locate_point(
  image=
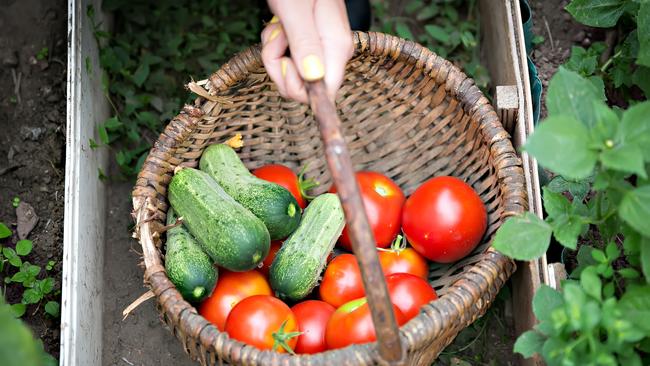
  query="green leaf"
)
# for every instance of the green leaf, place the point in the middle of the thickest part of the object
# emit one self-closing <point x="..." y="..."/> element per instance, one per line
<point x="545" y="301"/>
<point x="18" y="309"/>
<point x="635" y="209"/>
<point x="103" y="134"/>
<point x="403" y="31"/>
<point x="635" y="129"/>
<point x="577" y="188"/>
<point x="629" y="273"/>
<point x="597" y="13"/>
<point x="31" y="296"/>
<point x="53" y="308"/>
<point x="113" y="123"/>
<point x="529" y="343"/>
<point x="604" y="131"/>
<point x="33" y="270"/>
<point x="645" y="257"/>
<point x="612" y="251"/>
<point x="643" y="31"/>
<point x="555" y="204"/>
<point x="524" y="237"/>
<point x="4" y="231"/>
<point x="635" y="304"/>
<point x="19" y="277"/>
<point x="625" y="158"/>
<point x="573" y="95"/>
<point x="561" y="144"/>
<point x="567" y="229"/>
<point x="591" y="282"/>
<point x="437" y="33"/>
<point x="24" y="247"/>
<point x="46" y="285"/>
<point x="141" y="74"/>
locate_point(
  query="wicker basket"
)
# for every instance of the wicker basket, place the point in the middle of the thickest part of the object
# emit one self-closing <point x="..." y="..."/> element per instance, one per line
<point x="407" y="113"/>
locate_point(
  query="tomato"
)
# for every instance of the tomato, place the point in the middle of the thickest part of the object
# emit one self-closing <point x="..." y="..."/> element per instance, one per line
<point x="383" y="201"/>
<point x="444" y="219"/>
<point x="266" y="263"/>
<point x="264" y="322"/>
<point x="312" y="316"/>
<point x="409" y="293"/>
<point x="352" y="324"/>
<point x="400" y="259"/>
<point x="342" y="281"/>
<point x="231" y="288"/>
<point x="282" y="175"/>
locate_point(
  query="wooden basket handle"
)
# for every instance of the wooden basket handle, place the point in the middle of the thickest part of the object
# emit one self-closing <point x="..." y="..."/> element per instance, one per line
<point x="363" y="242"/>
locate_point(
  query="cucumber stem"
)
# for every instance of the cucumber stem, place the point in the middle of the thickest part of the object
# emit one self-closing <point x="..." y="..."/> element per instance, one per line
<point x="306" y="184"/>
<point x="198" y="292"/>
<point x="291" y="210"/>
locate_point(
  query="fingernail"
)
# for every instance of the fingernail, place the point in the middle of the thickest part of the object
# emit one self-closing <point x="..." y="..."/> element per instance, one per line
<point x="274" y="34"/>
<point x="274" y="20"/>
<point x="283" y="67"/>
<point x="313" y="68"/>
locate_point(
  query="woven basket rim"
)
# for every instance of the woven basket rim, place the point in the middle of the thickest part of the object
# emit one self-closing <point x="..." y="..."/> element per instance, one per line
<point x="451" y="312"/>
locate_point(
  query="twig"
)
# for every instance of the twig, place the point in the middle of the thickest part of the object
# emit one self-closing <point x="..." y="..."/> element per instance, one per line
<point x="146" y="296"/>
<point x="610" y="41"/>
<point x="127" y="361"/>
<point x="17" y="80"/>
<point x="550" y="35"/>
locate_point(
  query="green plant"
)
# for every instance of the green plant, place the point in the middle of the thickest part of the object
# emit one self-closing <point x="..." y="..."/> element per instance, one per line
<point x="15" y="201"/>
<point x="152" y="54"/>
<point x="624" y="63"/>
<point x="42" y="53"/>
<point x="602" y="315"/>
<point x="449" y="28"/>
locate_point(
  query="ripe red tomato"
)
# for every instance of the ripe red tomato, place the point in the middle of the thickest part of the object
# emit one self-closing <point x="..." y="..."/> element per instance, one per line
<point x="312" y="316"/>
<point x="342" y="281"/>
<point x="231" y="288"/>
<point x="266" y="263"/>
<point x="383" y="201"/>
<point x="352" y="324"/>
<point x="403" y="260"/>
<point x="409" y="293"/>
<point x="264" y="322"/>
<point x="444" y="219"/>
<point x="282" y="175"/>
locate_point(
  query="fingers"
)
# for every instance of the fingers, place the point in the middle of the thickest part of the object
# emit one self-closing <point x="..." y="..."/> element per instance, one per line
<point x="274" y="45"/>
<point x="304" y="41"/>
<point x="336" y="37"/>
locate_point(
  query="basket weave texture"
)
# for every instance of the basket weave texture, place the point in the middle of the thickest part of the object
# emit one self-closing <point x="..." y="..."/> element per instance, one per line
<point x="407" y="113"/>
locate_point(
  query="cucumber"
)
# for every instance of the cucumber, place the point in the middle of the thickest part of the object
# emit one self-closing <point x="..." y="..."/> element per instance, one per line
<point x="231" y="235"/>
<point x="188" y="267"/>
<point x="297" y="266"/>
<point x="272" y="203"/>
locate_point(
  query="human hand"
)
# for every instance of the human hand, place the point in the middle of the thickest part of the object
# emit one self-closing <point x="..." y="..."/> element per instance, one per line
<point x="318" y="34"/>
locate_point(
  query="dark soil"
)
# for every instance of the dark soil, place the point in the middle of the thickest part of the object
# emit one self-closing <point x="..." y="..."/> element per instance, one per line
<point x="32" y="142"/>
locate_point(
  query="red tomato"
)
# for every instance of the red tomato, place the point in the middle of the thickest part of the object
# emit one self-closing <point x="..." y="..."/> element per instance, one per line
<point x="342" y="281"/>
<point x="409" y="293"/>
<point x="266" y="263"/>
<point x="383" y="201"/>
<point x="282" y="175"/>
<point x="264" y="322"/>
<point x="444" y="219"/>
<point x="232" y="287"/>
<point x="403" y="260"/>
<point x="352" y="324"/>
<point x="312" y="316"/>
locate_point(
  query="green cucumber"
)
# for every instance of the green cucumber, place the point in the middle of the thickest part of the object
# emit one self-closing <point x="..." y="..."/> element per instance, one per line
<point x="188" y="267"/>
<point x="297" y="266"/>
<point x="272" y="203"/>
<point x="231" y="235"/>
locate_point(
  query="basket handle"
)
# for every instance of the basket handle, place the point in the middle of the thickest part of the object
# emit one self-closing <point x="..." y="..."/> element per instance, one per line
<point x="363" y="242"/>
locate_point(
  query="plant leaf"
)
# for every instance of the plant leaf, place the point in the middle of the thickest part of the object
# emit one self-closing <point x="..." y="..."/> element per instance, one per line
<point x="635" y="129"/>
<point x="524" y="237"/>
<point x="635" y="209"/>
<point x="625" y="158"/>
<point x="18" y="309"/>
<point x="643" y="31"/>
<point x="141" y="73"/>
<point x="437" y="33"/>
<point x="403" y="31"/>
<point x="24" y="247"/>
<point x="53" y="308"/>
<point x="4" y="231"/>
<point x="545" y="301"/>
<point x="635" y="304"/>
<point x="591" y="282"/>
<point x="645" y="257"/>
<point x="529" y="343"/>
<point x="578" y="189"/>
<point x="31" y="296"/>
<point x="567" y="229"/>
<point x="573" y="95"/>
<point x="561" y="144"/>
<point x="597" y="13"/>
<point x="555" y="204"/>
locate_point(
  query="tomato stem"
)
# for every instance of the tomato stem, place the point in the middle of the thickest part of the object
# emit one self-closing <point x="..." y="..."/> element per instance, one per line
<point x="306" y="184"/>
<point x="281" y="337"/>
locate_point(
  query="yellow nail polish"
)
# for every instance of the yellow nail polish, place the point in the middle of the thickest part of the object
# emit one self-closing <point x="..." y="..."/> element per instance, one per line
<point x="274" y="20"/>
<point x="313" y="68"/>
<point x="274" y="34"/>
<point x="283" y="67"/>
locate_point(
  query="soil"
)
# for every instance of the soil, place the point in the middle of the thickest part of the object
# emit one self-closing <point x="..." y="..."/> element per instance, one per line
<point x="32" y="145"/>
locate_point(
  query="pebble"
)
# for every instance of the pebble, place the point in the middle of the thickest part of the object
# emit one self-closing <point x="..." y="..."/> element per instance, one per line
<point x="586" y="42"/>
<point x="10" y="59"/>
<point x="52" y="115"/>
<point x="31" y="133"/>
<point x="579" y="36"/>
